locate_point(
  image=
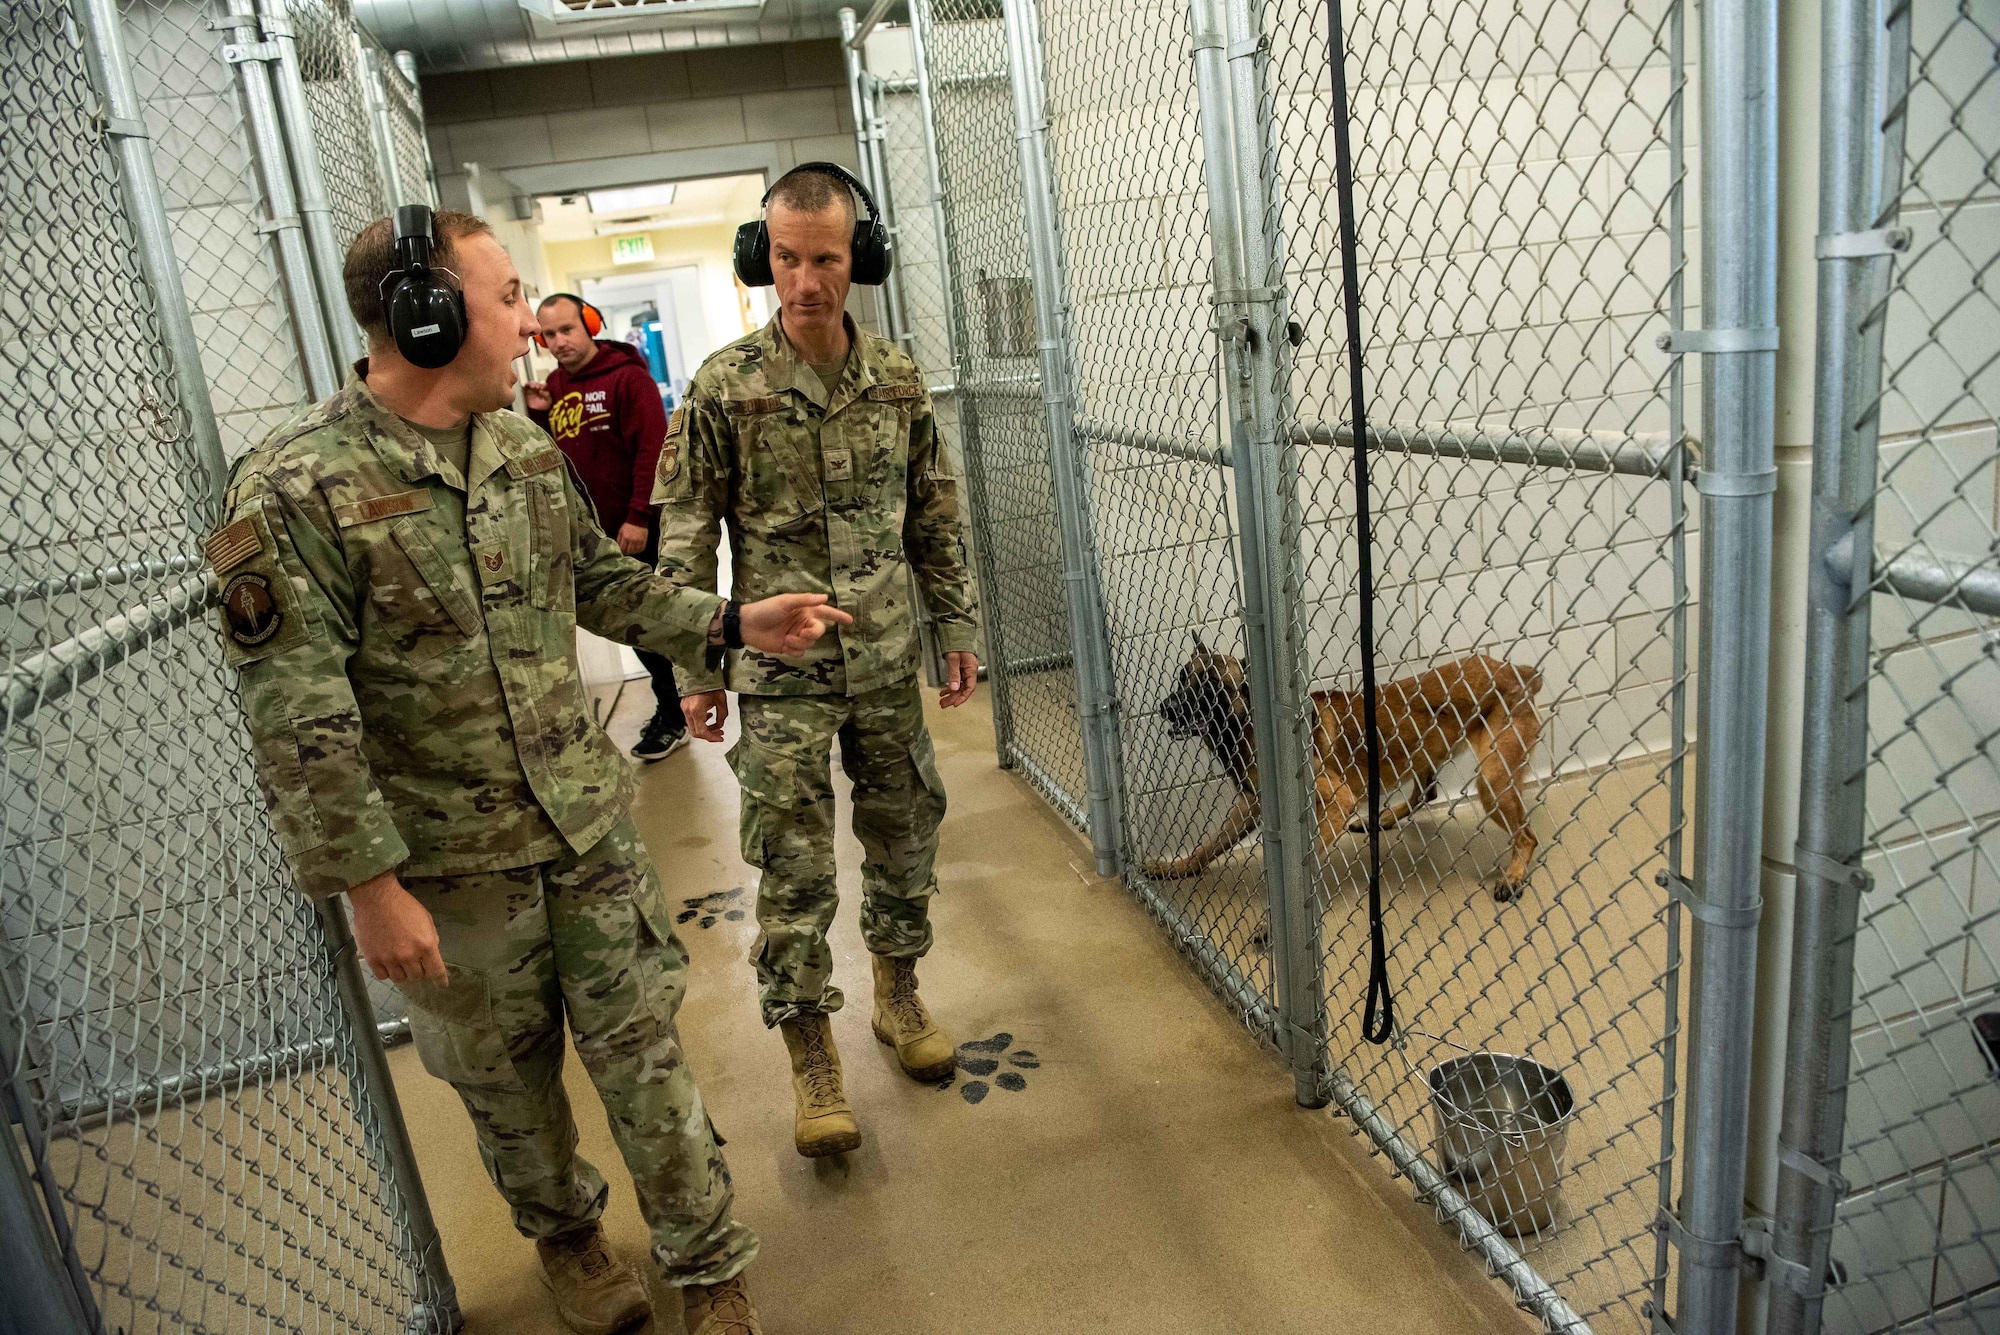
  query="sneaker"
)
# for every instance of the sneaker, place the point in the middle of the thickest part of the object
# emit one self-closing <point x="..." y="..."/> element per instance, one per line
<point x="660" y="740"/>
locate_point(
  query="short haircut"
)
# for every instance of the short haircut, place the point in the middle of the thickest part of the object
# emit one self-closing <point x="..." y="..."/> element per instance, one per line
<point x="372" y="258"/>
<point x="811" y="191"/>
<point x="554" y="297"/>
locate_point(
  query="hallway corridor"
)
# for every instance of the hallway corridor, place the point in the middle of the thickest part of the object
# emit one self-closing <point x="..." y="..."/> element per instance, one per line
<point x="1147" y="1171"/>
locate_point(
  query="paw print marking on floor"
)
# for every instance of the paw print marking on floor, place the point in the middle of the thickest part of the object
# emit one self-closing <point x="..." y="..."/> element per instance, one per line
<point x="984" y="1056"/>
<point x="711" y="908"/>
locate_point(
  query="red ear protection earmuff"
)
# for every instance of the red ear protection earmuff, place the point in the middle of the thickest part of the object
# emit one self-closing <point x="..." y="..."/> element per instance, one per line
<point x="593" y="319"/>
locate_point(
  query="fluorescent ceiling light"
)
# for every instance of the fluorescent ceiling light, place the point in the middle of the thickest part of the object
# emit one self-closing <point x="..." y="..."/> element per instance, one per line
<point x="632" y="197"/>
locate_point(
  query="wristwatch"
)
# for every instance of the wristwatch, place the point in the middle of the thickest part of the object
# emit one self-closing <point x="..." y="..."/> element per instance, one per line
<point x="732" y="625"/>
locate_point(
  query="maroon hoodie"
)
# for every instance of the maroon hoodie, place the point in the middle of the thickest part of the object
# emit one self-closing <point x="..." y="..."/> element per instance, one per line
<point x="607" y="418"/>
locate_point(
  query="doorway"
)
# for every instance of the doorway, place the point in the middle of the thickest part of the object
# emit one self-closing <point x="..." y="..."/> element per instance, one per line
<point x="656" y="259"/>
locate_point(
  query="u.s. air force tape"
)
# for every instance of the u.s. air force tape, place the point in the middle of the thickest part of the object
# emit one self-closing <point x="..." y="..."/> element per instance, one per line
<point x="250" y="609"/>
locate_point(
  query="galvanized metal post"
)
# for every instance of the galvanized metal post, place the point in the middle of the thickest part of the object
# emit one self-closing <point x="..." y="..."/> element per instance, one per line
<point x="954" y="331"/>
<point x="435" y="1311"/>
<point x="1249" y="307"/>
<point x="381" y="132"/>
<point x="328" y="252"/>
<point x="857" y="100"/>
<point x="36" y="1293"/>
<point x="1739" y="161"/>
<point x="153" y="239"/>
<point x="247" y="52"/>
<point x="991" y="613"/>
<point x="1095" y="693"/>
<point x="1865" y="62"/>
<point x="885" y="199"/>
<point x="1677" y="473"/>
<point x="406" y="65"/>
<point x="45" y="1287"/>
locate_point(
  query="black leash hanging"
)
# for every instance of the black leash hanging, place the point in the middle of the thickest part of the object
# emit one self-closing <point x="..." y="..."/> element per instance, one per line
<point x="1378" y="1017"/>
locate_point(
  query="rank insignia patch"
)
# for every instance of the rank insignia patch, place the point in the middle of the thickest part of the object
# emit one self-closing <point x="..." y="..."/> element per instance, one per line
<point x="251" y="609"/>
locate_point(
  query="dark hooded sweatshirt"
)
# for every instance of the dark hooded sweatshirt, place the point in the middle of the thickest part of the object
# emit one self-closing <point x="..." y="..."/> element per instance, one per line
<point x="607" y="418"/>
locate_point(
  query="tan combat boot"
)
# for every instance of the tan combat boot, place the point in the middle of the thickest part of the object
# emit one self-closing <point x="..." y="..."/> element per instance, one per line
<point x="825" y="1121"/>
<point x="719" y="1309"/>
<point x="925" y="1051"/>
<point x="596" y="1292"/>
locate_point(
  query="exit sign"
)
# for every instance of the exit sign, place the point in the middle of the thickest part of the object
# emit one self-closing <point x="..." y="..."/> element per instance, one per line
<point x="631" y="249"/>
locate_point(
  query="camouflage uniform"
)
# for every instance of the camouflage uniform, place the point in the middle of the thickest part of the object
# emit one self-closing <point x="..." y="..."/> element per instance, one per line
<point x="405" y="637"/>
<point x="847" y="494"/>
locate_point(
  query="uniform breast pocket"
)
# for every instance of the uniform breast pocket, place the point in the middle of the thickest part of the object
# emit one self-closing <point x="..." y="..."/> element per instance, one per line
<point x="779" y="492"/>
<point x="418" y="600"/>
<point x="553" y="574"/>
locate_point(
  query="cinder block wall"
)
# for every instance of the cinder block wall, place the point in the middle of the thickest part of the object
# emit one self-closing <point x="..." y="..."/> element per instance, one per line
<point x="787" y="101"/>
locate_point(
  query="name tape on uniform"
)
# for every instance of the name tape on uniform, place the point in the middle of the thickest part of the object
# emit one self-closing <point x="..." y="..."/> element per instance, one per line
<point x="366" y="511"/>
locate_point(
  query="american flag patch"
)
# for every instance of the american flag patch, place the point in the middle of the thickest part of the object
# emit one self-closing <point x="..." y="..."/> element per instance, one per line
<point x="231" y="546"/>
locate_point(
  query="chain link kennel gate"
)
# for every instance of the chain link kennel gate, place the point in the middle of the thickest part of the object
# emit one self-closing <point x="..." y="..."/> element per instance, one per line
<point x="195" y="1096"/>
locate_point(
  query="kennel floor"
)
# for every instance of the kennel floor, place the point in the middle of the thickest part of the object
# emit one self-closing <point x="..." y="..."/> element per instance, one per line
<point x="1570" y="975"/>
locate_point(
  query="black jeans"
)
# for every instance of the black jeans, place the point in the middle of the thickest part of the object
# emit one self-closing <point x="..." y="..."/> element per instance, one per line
<point x="666" y="692"/>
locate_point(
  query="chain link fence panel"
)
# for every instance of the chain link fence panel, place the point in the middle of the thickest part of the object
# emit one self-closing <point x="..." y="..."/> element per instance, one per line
<point x="1903" y="1124"/>
<point x="208" y="172"/>
<point x="1125" y="142"/>
<point x="1518" y="197"/>
<point x="178" y="1061"/>
<point x="1522" y="194"/>
<point x="1000" y="415"/>
<point x="396" y="104"/>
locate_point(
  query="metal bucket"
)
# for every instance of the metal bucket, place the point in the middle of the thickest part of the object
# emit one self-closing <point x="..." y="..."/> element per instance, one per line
<point x="1502" y="1127"/>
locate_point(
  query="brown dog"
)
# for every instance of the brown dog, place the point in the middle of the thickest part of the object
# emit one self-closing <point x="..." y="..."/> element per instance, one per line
<point x="1424" y="721"/>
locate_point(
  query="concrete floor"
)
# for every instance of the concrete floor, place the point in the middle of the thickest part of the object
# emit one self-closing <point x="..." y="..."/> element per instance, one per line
<point x="1151" y="1175"/>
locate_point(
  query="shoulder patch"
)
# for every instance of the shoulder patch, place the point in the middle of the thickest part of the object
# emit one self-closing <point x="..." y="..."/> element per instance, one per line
<point x="250" y="609"/>
<point x="233" y="545"/>
<point x="752" y="407"/>
<point x="349" y="513"/>
<point x="669" y="466"/>
<point x="677" y="421"/>
<point x="539" y="462"/>
<point x="911" y="390"/>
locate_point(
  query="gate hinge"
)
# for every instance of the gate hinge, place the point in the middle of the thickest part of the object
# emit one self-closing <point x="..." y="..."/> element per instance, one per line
<point x="1715" y="1253"/>
<point x="120" y="127"/>
<point x="235" y="53"/>
<point x="1715" y="915"/>
<point x="1717" y="342"/>
<point x="1862" y="245"/>
<point x="1827" y="869"/>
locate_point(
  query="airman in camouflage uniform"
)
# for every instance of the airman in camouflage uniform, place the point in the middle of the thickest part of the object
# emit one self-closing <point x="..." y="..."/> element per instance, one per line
<point x="405" y="636"/>
<point x="845" y="492"/>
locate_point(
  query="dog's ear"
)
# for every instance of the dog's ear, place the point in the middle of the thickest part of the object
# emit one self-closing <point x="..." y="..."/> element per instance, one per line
<point x="1199" y="647"/>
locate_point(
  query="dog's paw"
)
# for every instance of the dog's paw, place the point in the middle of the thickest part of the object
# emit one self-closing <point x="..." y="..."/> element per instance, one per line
<point x="1166" y="869"/>
<point x="1504" y="891"/>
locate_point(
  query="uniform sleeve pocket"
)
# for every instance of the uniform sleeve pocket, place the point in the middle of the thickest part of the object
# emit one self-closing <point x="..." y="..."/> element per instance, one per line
<point x="455" y="1032"/>
<point x="283" y="779"/>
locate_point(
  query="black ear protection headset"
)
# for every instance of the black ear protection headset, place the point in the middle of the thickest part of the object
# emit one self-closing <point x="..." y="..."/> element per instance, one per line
<point x="871" y="237"/>
<point x="424" y="312"/>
